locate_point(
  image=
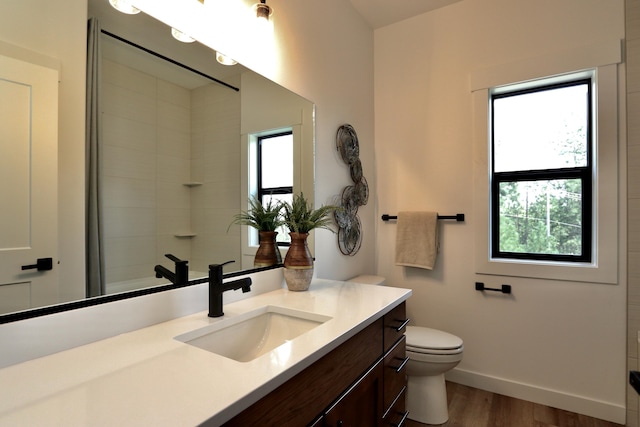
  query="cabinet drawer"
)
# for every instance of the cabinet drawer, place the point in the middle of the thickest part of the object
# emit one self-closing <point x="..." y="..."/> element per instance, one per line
<point x="395" y="373"/>
<point x="395" y="323"/>
<point x="397" y="415"/>
<point x="361" y="405"/>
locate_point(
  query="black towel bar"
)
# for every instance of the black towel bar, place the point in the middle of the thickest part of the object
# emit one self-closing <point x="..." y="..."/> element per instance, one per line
<point x="457" y="217"/>
<point x="505" y="289"/>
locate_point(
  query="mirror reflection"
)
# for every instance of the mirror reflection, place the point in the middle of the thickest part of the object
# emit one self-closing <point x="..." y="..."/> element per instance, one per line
<point x="170" y="170"/>
<point x="176" y="145"/>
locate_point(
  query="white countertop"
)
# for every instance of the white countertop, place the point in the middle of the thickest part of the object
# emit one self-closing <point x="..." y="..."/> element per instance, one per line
<point x="147" y="378"/>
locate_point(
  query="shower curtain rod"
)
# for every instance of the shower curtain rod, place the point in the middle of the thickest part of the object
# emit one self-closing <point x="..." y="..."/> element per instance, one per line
<point x="159" y="55"/>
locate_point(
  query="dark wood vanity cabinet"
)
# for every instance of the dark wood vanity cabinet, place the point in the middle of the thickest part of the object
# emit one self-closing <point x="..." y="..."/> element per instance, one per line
<point x="394" y="363"/>
<point x="359" y="384"/>
<point x="361" y="405"/>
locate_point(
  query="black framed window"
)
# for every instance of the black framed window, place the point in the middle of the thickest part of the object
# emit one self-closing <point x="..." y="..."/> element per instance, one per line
<point x="275" y="171"/>
<point x="542" y="172"/>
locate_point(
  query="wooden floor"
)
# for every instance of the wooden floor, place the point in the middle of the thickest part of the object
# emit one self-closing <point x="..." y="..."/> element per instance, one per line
<point x="470" y="407"/>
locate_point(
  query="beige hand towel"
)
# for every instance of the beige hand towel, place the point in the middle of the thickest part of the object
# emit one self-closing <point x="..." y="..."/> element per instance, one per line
<point x="417" y="239"/>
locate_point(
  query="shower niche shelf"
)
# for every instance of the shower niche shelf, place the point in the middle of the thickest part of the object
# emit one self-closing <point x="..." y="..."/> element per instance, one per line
<point x="185" y="235"/>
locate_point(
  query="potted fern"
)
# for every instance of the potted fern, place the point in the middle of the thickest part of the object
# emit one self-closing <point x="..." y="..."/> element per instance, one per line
<point x="300" y="217"/>
<point x="266" y="219"/>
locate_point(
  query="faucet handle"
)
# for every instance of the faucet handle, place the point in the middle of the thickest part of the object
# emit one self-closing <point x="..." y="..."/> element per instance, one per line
<point x="176" y="259"/>
<point x="220" y="265"/>
<point x="215" y="272"/>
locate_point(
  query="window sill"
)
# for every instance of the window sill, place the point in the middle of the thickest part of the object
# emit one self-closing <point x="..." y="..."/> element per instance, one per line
<point x="562" y="271"/>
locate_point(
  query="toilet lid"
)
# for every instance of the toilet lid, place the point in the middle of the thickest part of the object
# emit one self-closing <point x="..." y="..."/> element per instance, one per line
<point x="419" y="337"/>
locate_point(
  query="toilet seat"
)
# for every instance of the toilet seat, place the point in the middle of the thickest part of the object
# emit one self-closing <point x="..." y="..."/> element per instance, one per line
<point x="432" y="341"/>
<point x="428" y="351"/>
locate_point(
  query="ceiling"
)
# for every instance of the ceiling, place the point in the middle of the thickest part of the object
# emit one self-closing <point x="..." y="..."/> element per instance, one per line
<point x="380" y="13"/>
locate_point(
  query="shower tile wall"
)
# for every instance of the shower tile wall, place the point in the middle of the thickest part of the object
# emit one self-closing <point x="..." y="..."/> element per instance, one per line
<point x="215" y="161"/>
<point x="152" y="146"/>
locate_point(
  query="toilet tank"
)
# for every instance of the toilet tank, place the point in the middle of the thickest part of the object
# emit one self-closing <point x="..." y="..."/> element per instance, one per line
<point x="367" y="279"/>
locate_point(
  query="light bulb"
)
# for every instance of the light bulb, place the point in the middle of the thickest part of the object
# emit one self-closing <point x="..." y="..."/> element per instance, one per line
<point x="180" y="36"/>
<point x="224" y="59"/>
<point x="124" y="6"/>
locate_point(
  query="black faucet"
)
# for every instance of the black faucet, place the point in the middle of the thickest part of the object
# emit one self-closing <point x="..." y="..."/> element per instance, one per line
<point x="217" y="288"/>
<point x="181" y="275"/>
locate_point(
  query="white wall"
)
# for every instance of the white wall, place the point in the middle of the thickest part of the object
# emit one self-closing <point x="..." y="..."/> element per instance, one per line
<point x="325" y="54"/>
<point x="559" y="343"/>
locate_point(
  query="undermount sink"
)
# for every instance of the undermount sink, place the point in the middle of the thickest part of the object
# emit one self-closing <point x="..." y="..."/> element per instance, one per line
<point x="252" y="334"/>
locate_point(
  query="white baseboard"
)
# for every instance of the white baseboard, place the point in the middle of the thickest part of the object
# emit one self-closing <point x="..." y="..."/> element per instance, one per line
<point x="569" y="402"/>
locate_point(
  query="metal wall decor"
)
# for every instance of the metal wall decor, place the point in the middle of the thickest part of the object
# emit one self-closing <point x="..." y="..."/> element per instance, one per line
<point x="353" y="196"/>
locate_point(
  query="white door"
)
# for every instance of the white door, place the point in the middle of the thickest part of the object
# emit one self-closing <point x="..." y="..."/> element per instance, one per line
<point x="28" y="185"/>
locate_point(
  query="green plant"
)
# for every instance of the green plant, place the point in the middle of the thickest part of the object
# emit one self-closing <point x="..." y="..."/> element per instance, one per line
<point x="261" y="217"/>
<point x="300" y="216"/>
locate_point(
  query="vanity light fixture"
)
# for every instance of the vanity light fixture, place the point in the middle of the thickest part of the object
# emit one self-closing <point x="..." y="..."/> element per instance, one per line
<point x="224" y="59"/>
<point x="263" y="11"/>
<point x="180" y="36"/>
<point x="124" y="6"/>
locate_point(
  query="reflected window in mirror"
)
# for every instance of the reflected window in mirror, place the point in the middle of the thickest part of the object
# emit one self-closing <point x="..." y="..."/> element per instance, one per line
<point x="274" y="172"/>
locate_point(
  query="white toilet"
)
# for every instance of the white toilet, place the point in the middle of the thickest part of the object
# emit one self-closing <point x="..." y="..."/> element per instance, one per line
<point x="431" y="353"/>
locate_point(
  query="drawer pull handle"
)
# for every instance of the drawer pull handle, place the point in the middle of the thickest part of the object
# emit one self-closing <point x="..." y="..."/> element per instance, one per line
<point x="402" y="326"/>
<point x="404" y="418"/>
<point x="402" y="365"/>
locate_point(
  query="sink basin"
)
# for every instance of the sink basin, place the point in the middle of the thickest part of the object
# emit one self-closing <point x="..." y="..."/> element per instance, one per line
<point x="252" y="334"/>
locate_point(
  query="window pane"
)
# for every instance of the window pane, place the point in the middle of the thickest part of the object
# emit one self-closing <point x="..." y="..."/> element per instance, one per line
<point x="541" y="217"/>
<point x="541" y="130"/>
<point x="277" y="161"/>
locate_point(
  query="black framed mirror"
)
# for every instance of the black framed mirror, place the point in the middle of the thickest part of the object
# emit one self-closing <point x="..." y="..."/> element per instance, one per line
<point x="177" y="206"/>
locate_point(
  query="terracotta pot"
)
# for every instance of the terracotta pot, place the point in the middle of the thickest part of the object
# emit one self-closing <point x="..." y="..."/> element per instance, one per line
<point x="298" y="263"/>
<point x="267" y="253"/>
